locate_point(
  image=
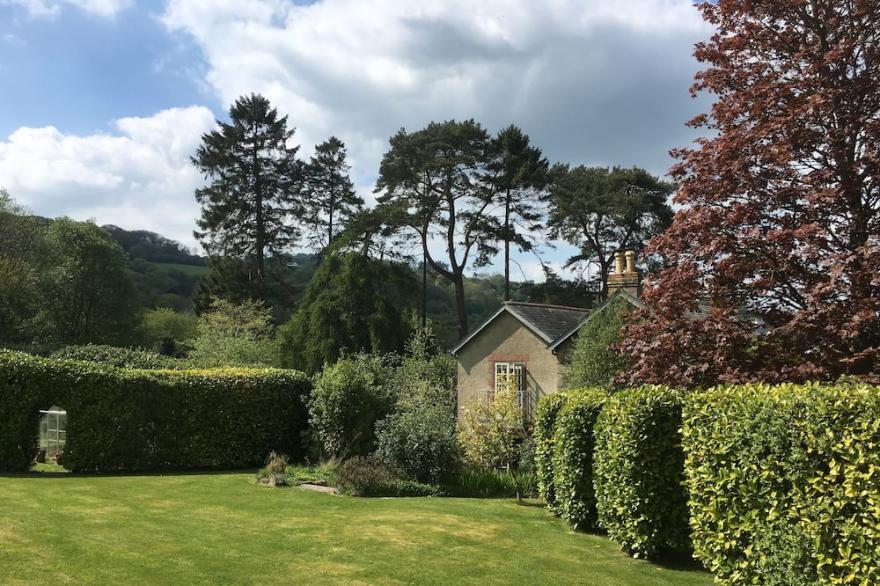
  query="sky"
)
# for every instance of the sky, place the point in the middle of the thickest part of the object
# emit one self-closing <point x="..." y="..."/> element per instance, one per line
<point x="102" y="102"/>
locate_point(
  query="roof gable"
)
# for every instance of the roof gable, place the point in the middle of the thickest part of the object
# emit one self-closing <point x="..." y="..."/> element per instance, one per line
<point x="547" y="322"/>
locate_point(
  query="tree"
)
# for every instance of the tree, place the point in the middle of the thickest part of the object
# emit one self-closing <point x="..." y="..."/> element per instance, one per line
<point x="518" y="173"/>
<point x="601" y="211"/>
<point x="254" y="185"/>
<point x="85" y="292"/>
<point x="235" y="335"/>
<point x="330" y="199"/>
<point x="167" y="331"/>
<point x="433" y="184"/>
<point x="596" y="360"/>
<point x="21" y="240"/>
<point x="772" y="260"/>
<point x="352" y="304"/>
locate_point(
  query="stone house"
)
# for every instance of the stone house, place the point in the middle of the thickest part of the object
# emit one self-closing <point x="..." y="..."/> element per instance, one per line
<point x="529" y="343"/>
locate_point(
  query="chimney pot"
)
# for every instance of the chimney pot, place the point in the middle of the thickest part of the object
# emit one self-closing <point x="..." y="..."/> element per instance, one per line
<point x="630" y="261"/>
<point x="619" y="262"/>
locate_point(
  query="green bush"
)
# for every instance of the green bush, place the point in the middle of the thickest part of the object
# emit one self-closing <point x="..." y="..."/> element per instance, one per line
<point x="138" y="420"/>
<point x="595" y="360"/>
<point x="783" y="483"/>
<point x="118" y="357"/>
<point x="370" y="478"/>
<point x="420" y="442"/>
<point x="545" y="424"/>
<point x="573" y="444"/>
<point x="348" y="399"/>
<point x="638" y="469"/>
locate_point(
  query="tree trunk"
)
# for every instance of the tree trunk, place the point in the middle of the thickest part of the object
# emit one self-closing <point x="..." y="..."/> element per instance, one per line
<point x="507" y="247"/>
<point x="459" y="305"/>
<point x="424" y="291"/>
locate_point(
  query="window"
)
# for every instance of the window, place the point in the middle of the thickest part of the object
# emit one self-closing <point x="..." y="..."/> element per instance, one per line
<point x="510" y="372"/>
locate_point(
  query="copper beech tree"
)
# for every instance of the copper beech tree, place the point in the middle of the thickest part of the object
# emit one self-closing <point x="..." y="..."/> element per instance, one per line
<point x="772" y="263"/>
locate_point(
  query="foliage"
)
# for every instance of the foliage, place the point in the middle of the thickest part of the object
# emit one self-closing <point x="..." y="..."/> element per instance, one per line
<point x="420" y="443"/>
<point x="348" y="398"/>
<point x="774" y="248"/>
<point x="545" y="427"/>
<point x="638" y="471"/>
<point x="370" y="478"/>
<point x="433" y="183"/>
<point x="152" y="247"/>
<point x="600" y="211"/>
<point x="254" y="180"/>
<point x="137" y="420"/>
<point x="783" y="482"/>
<point x="117" y="357"/>
<point x="85" y="293"/>
<point x="492" y="430"/>
<point x="425" y="376"/>
<point x="517" y="172"/>
<point x="235" y="335"/>
<point x="595" y="359"/>
<point x="275" y="469"/>
<point x="352" y="304"/>
<point x="472" y="482"/>
<point x="168" y="332"/>
<point x="573" y="445"/>
<point x="330" y="199"/>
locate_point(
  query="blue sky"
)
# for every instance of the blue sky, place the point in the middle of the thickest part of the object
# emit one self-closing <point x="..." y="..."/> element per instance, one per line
<point x="103" y="101"/>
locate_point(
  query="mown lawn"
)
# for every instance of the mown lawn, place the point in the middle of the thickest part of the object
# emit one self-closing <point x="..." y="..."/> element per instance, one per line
<point x="223" y="528"/>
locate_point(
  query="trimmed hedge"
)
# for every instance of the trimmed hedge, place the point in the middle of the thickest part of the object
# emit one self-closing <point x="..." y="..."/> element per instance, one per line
<point x="118" y="357"/>
<point x="573" y="443"/>
<point x="784" y="483"/>
<point x="139" y="420"/>
<point x="545" y="425"/>
<point x="638" y="472"/>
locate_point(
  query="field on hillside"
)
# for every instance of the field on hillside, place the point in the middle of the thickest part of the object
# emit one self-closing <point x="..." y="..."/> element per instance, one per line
<point x="223" y="528"/>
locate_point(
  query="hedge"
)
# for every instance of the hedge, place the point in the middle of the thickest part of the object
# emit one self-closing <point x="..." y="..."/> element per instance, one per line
<point x="118" y="357"/>
<point x="572" y="458"/>
<point x="784" y="483"/>
<point x="140" y="420"/>
<point x="638" y="472"/>
<point x="545" y="425"/>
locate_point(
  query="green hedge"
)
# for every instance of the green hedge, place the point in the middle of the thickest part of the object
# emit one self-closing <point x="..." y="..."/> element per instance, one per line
<point x="638" y="472"/>
<point x="118" y="357"/>
<point x="784" y="483"/>
<point x="545" y="425"/>
<point x="573" y="443"/>
<point x="138" y="420"/>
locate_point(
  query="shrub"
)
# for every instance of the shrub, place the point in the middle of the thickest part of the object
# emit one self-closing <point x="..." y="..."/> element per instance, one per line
<point x="348" y="399"/>
<point x="137" y="420"/>
<point x="783" y="483"/>
<point x="638" y="472"/>
<point x="478" y="483"/>
<point x="545" y="424"/>
<point x="235" y="335"/>
<point x="573" y="444"/>
<point x="118" y="357"/>
<point x="421" y="443"/>
<point x="370" y="478"/>
<point x="595" y="360"/>
<point x="492" y="430"/>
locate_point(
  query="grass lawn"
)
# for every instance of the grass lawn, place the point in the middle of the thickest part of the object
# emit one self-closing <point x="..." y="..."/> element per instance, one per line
<point x="223" y="528"/>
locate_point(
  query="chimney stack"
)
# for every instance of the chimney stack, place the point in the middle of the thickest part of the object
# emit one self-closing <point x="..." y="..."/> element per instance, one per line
<point x="625" y="276"/>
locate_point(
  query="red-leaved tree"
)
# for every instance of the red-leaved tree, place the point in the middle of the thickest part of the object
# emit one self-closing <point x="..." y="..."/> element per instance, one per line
<point x="773" y="261"/>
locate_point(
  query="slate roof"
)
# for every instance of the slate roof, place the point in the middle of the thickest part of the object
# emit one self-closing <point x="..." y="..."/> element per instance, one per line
<point x="548" y="322"/>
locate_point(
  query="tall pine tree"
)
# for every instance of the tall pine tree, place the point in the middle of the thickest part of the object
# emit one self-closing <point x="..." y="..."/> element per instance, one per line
<point x="330" y="199"/>
<point x="518" y="173"/>
<point x="254" y="185"/>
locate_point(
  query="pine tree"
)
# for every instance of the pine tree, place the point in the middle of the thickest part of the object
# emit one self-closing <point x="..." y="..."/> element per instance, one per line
<point x="254" y="186"/>
<point x="330" y="199"/>
<point x="518" y="173"/>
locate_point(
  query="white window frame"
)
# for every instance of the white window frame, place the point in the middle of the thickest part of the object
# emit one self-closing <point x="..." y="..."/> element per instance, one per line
<point x="503" y="370"/>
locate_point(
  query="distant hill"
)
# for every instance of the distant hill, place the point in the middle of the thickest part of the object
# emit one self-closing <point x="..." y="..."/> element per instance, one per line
<point x="165" y="273"/>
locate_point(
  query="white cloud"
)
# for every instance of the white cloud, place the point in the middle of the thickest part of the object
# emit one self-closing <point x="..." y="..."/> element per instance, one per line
<point x="590" y="81"/>
<point x="52" y="8"/>
<point x="139" y="177"/>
